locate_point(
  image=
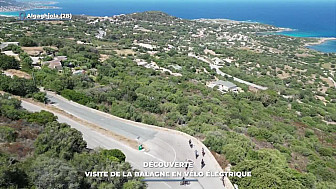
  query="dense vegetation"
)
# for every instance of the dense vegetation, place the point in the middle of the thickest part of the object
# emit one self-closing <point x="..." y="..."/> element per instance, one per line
<point x="8" y="62"/>
<point x="17" y="86"/>
<point x="284" y="135"/>
<point x="38" y="152"/>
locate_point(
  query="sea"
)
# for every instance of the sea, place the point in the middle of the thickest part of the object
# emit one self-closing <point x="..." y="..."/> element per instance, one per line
<point x="308" y="18"/>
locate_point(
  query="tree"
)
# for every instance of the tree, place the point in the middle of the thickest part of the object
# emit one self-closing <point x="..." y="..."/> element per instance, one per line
<point x="17" y="86"/>
<point x="8" y="62"/>
<point x="75" y="96"/>
<point x="49" y="50"/>
<point x="41" y="97"/>
<point x="26" y="62"/>
<point x="53" y="173"/>
<point x="10" y="107"/>
<point x="234" y="153"/>
<point x="27" y="42"/>
<point x="133" y="184"/>
<point x="7" y="134"/>
<point x="11" y="175"/>
<point x="59" y="140"/>
<point x="112" y="154"/>
<point x="43" y="117"/>
<point x="183" y="108"/>
<point x="95" y="161"/>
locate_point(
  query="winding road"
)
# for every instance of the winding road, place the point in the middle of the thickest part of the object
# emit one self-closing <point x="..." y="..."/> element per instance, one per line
<point x="218" y="71"/>
<point x="161" y="144"/>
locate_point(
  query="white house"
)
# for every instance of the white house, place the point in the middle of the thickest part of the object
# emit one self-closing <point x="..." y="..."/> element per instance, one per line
<point x="5" y="44"/>
<point x="224" y="86"/>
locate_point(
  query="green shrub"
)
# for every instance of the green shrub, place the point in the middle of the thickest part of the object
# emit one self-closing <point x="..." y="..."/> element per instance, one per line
<point x="17" y="86"/>
<point x="112" y="154"/>
<point x="42" y="117"/>
<point x="309" y="133"/>
<point x="325" y="151"/>
<point x="59" y="140"/>
<point x="8" y="62"/>
<point x="40" y="96"/>
<point x="76" y="96"/>
<point x="234" y="153"/>
<point x="7" y="134"/>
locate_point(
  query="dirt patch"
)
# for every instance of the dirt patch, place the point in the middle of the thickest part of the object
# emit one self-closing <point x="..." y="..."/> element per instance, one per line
<point x="326" y="139"/>
<point x="207" y="51"/>
<point x="323" y="89"/>
<point x="300" y="129"/>
<point x="284" y="75"/>
<point x="262" y="144"/>
<point x="220" y="159"/>
<point x="28" y="33"/>
<point x="103" y="57"/>
<point x="34" y="51"/>
<point x="17" y="73"/>
<point x="327" y="66"/>
<point x="321" y="98"/>
<point x="330" y="83"/>
<point x="288" y="68"/>
<point x="303" y="55"/>
<point x="125" y="52"/>
<point x="298" y="162"/>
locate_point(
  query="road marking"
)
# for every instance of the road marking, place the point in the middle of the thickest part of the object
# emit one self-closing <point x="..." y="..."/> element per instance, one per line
<point x="171" y="148"/>
<point x="128" y="122"/>
<point x="167" y="184"/>
<point x="155" y="157"/>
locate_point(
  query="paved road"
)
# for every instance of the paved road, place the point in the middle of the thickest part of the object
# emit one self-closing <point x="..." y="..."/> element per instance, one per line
<point x="331" y="79"/>
<point x="162" y="145"/>
<point x="213" y="66"/>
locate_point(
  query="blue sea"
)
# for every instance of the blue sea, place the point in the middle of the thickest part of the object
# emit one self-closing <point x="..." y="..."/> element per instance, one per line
<point x="309" y="18"/>
<point x="327" y="47"/>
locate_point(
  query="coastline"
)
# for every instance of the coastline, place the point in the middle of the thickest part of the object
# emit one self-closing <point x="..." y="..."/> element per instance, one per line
<point x="320" y="40"/>
<point x="27" y="9"/>
<point x="285" y="30"/>
<point x="277" y="30"/>
<point x="7" y="16"/>
<point x="38" y="5"/>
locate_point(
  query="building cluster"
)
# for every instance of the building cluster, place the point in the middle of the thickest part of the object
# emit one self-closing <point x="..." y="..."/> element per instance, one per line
<point x="37" y="60"/>
<point x="154" y="66"/>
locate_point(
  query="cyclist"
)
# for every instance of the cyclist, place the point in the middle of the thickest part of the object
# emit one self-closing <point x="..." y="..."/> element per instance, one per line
<point x="183" y="182"/>
<point x="190" y="144"/>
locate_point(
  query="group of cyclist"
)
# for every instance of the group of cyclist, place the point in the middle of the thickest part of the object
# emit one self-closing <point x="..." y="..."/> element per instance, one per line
<point x="196" y="153"/>
<point x="184" y="182"/>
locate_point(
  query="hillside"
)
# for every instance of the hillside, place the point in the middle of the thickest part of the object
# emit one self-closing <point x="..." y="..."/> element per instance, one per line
<point x="161" y="70"/>
<point x="37" y="151"/>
